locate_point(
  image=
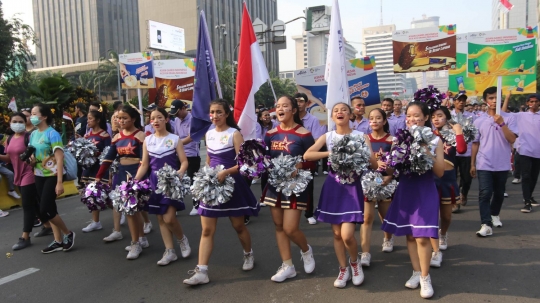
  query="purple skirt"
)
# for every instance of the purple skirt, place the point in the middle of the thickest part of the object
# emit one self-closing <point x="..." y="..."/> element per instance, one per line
<point x="340" y="203"/>
<point x="158" y="204"/>
<point x="415" y="208"/>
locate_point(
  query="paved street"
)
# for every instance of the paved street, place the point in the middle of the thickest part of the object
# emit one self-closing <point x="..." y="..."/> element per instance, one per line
<point x="501" y="268"/>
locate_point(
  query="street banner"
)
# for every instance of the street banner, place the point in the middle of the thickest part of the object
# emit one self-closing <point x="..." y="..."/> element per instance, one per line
<point x="424" y="49"/>
<point x="362" y="78"/>
<point x="174" y="80"/>
<point x="458" y="82"/>
<point x="136" y="70"/>
<point x="510" y="53"/>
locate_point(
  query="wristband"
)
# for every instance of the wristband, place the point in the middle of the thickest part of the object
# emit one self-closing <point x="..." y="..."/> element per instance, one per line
<point x="502" y="124"/>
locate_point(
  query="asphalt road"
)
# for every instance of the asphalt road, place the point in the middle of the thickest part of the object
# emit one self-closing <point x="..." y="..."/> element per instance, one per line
<point x="502" y="268"/>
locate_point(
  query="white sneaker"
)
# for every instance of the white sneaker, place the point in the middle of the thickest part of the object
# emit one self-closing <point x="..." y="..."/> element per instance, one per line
<point x="185" y="249"/>
<point x="254" y="181"/>
<point x="114" y="236"/>
<point x="316" y="173"/>
<point x="147" y="227"/>
<point x="123" y="219"/>
<point x="436" y="259"/>
<point x="262" y="204"/>
<point x="485" y="231"/>
<point x="414" y="280"/>
<point x="496" y="220"/>
<point x="443" y="241"/>
<point x="365" y="259"/>
<point x="357" y="273"/>
<point x="143" y="242"/>
<point x="388" y="245"/>
<point x="309" y="261"/>
<point x="426" y="290"/>
<point x="325" y="172"/>
<point x="505" y="195"/>
<point x="198" y="277"/>
<point x="343" y="277"/>
<point x="284" y="272"/>
<point x="14" y="194"/>
<point x="92" y="226"/>
<point x="516" y="181"/>
<point x="168" y="256"/>
<point x="134" y="251"/>
<point x="193" y="212"/>
<point x="3" y="213"/>
<point x="312" y="221"/>
<point x="249" y="261"/>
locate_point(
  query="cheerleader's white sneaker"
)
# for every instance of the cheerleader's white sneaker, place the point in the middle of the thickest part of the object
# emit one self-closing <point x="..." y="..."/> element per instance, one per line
<point x="426" y="289"/>
<point x="414" y="280"/>
<point x="443" y="241"/>
<point x="436" y="259"/>
<point x="114" y="236"/>
<point x="309" y="261"/>
<point x="343" y="276"/>
<point x="199" y="276"/>
<point x="284" y="272"/>
<point x="357" y="273"/>
<point x="388" y="245"/>
<point x="92" y="226"/>
<point x="194" y="212"/>
<point x="168" y="256"/>
<point x="147" y="228"/>
<point x="134" y="251"/>
<point x="143" y="243"/>
<point x="365" y="259"/>
<point x="249" y="261"/>
<point x="185" y="249"/>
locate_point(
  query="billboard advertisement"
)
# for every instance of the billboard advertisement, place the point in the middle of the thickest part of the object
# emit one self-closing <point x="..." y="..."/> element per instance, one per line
<point x="136" y="70"/>
<point x="166" y="37"/>
<point x="458" y="82"/>
<point x="175" y="79"/>
<point x="424" y="49"/>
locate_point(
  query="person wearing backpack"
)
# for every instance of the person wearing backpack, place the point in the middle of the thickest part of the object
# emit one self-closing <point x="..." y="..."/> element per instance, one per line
<point x="16" y="145"/>
<point x="48" y="165"/>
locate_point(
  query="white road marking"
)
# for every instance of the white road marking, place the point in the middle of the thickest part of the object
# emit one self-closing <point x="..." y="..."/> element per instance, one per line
<point x="18" y="275"/>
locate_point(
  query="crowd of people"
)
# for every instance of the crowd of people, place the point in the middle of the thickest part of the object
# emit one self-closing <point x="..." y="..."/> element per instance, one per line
<point x="420" y="209"/>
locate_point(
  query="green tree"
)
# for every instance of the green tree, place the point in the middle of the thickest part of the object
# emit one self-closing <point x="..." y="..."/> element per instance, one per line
<point x="281" y="87"/>
<point x="55" y="90"/>
<point x="227" y="80"/>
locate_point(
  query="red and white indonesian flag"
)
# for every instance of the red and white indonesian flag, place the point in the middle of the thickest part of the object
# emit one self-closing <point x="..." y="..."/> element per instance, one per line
<point x="252" y="73"/>
<point x="13" y="105"/>
<point x="67" y="116"/>
<point x="505" y="5"/>
<point x="336" y="66"/>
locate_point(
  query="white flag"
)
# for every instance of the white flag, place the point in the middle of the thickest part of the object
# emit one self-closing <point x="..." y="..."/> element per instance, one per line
<point x="12" y="105"/>
<point x="336" y="66"/>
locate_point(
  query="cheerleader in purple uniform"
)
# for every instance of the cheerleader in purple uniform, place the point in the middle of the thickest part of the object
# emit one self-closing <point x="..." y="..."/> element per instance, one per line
<point x="223" y="143"/>
<point x="159" y="149"/>
<point x="341" y="205"/>
<point x="414" y="211"/>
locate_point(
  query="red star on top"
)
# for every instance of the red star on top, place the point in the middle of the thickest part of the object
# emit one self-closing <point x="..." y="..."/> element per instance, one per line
<point x="127" y="150"/>
<point x="95" y="141"/>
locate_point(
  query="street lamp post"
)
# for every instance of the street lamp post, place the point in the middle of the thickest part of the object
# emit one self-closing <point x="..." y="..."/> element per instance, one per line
<point x="222" y="32"/>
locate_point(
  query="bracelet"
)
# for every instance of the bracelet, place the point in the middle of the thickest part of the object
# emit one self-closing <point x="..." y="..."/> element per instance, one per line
<point x="502" y="124"/>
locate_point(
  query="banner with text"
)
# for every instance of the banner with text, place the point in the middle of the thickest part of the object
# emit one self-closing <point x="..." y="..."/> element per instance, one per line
<point x="175" y="79"/>
<point x="458" y="82"/>
<point x="136" y="70"/>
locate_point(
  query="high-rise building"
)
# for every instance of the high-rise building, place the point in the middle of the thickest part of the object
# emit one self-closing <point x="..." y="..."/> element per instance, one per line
<point x="224" y="18"/>
<point x="523" y="14"/>
<point x="73" y="32"/>
<point x="377" y="41"/>
<point x="425" y="22"/>
<point x="311" y="50"/>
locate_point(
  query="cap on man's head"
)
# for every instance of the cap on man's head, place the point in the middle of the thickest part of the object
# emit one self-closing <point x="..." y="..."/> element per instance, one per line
<point x="462" y="96"/>
<point x="150" y="107"/>
<point x="176" y="105"/>
<point x="533" y="96"/>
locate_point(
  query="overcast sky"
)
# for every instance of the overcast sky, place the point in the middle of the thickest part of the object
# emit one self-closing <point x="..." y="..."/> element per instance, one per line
<point x="469" y="15"/>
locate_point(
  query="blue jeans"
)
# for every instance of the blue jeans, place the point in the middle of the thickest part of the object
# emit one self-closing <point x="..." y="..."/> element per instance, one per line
<point x="492" y="185"/>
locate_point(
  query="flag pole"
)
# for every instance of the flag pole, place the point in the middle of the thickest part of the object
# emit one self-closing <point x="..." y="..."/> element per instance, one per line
<point x="273" y="92"/>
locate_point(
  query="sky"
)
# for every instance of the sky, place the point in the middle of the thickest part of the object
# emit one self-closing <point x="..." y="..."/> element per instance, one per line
<point x="469" y="15"/>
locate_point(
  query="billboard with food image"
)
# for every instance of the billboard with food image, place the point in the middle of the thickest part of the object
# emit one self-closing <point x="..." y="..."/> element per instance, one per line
<point x="136" y="70"/>
<point x="362" y="76"/>
<point x="175" y="79"/>
<point x="424" y="49"/>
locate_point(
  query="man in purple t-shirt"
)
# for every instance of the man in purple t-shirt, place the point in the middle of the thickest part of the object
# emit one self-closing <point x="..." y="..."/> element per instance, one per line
<point x="490" y="160"/>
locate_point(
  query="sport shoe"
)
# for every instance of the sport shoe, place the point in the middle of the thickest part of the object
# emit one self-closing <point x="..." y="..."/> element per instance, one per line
<point x="23" y="243"/>
<point x="436" y="259"/>
<point x="54" y="246"/>
<point x="198" y="277"/>
<point x="426" y="290"/>
<point x="325" y="172"/>
<point x="246" y="220"/>
<point x="168" y="256"/>
<point x="505" y="195"/>
<point x="3" y="213"/>
<point x="14" y="194"/>
<point x="147" y="227"/>
<point x="516" y="181"/>
<point x="414" y="280"/>
<point x="527" y="208"/>
<point x="45" y="231"/>
<point x="37" y="222"/>
<point x="142" y="241"/>
<point x="443" y="241"/>
<point x="249" y="261"/>
<point x="343" y="276"/>
<point x="534" y="203"/>
<point x="114" y="236"/>
<point x="284" y="272"/>
<point x="365" y="259"/>
<point x="496" y="220"/>
<point x="193" y="212"/>
<point x="123" y="219"/>
<point x="485" y="231"/>
<point x="309" y="262"/>
<point x="388" y="245"/>
<point x="134" y="251"/>
<point x="185" y="250"/>
<point x="357" y="273"/>
<point x="312" y="221"/>
<point x="92" y="226"/>
<point x="69" y="241"/>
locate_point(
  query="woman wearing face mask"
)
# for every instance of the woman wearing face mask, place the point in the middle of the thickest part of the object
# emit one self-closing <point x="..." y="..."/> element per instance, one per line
<point x="48" y="162"/>
<point x="447" y="184"/>
<point x="23" y="176"/>
<point x="414" y="211"/>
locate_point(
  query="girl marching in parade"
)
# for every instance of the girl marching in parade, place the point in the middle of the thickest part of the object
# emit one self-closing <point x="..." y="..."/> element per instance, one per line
<point x="160" y="149"/>
<point x="289" y="138"/>
<point x="341" y="204"/>
<point x="223" y="144"/>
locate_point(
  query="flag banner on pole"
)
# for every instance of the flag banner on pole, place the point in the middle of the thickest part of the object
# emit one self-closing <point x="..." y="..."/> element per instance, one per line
<point x="336" y="65"/>
<point x="205" y="83"/>
<point x="12" y="105"/>
<point x="505" y="6"/>
<point x="252" y="73"/>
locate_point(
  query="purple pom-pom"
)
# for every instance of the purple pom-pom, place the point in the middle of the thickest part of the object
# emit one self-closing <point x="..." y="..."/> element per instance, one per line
<point x="252" y="161"/>
<point x="431" y="96"/>
<point x="96" y="196"/>
<point x="131" y="196"/>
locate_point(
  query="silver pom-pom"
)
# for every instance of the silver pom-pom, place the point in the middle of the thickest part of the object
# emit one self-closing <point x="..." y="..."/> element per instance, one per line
<point x="103" y="154"/>
<point x="349" y="158"/>
<point x="470" y="132"/>
<point x="448" y="135"/>
<point x="421" y="160"/>
<point x="84" y="151"/>
<point x="373" y="188"/>
<point x="207" y="189"/>
<point x="113" y="169"/>
<point x="280" y="175"/>
<point x="170" y="184"/>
